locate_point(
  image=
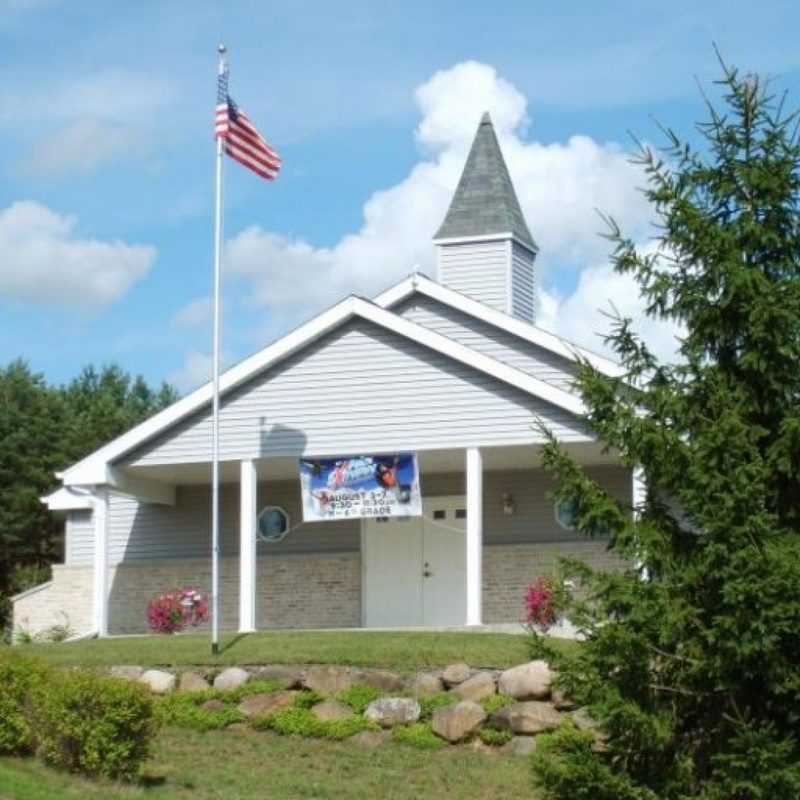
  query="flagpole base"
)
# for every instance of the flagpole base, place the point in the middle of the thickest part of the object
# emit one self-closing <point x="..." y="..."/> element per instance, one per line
<point x="214" y="648"/>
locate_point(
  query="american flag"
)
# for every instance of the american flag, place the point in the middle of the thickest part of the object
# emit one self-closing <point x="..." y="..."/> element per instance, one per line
<point x="241" y="141"/>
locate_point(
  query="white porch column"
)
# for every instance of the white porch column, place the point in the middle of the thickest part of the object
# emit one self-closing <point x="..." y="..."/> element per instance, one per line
<point x="247" y="546"/>
<point x="638" y="498"/>
<point x="100" y="571"/>
<point x="474" y="536"/>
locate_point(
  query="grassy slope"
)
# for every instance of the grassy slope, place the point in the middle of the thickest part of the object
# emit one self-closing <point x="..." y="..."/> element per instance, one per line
<point x="246" y="764"/>
<point x="402" y="651"/>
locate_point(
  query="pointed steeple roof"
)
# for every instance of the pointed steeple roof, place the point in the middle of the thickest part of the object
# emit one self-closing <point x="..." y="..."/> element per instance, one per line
<point x="485" y="201"/>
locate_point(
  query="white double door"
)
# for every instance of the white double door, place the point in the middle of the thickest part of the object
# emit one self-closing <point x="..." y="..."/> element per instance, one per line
<point x="414" y="568"/>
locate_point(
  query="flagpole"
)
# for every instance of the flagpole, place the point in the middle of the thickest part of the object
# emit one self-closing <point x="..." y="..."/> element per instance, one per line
<point x="215" y="370"/>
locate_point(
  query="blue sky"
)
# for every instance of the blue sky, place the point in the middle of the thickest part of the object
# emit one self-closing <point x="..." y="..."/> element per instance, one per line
<point x="107" y="164"/>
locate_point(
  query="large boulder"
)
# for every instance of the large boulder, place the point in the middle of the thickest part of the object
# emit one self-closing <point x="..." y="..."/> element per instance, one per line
<point x="391" y="711"/>
<point x="477" y="687"/>
<point x="560" y="700"/>
<point x="330" y="680"/>
<point x="266" y="703"/>
<point x="231" y="678"/>
<point x="455" y="674"/>
<point x="425" y="684"/>
<point x="330" y="710"/>
<point x="192" y="682"/>
<point x="522" y="745"/>
<point x="458" y="721"/>
<point x="529" y="681"/>
<point x="288" y="677"/>
<point x="530" y="717"/>
<point x="380" y="679"/>
<point x="158" y="681"/>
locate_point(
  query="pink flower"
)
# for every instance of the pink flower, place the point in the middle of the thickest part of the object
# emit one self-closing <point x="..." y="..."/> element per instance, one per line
<point x="172" y="611"/>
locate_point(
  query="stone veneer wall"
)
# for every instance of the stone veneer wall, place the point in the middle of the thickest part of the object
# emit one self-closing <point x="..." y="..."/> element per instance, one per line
<point x="67" y="598"/>
<point x="293" y="591"/>
<point x="509" y="569"/>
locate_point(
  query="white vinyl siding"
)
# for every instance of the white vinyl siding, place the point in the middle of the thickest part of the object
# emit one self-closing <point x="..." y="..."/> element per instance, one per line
<point x="479" y="270"/>
<point x="488" y="339"/>
<point x="523" y="290"/>
<point x="361" y="389"/>
<point x="140" y="531"/>
<point x="79" y="535"/>
<point x="144" y="531"/>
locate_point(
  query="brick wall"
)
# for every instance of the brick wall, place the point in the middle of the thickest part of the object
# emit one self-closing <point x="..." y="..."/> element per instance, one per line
<point x="293" y="591"/>
<point x="509" y="569"/>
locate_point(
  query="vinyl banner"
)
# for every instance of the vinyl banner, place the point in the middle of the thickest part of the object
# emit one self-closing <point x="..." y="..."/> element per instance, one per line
<point x="360" y="486"/>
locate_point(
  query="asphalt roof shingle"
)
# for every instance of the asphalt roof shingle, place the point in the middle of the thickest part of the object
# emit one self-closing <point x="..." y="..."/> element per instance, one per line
<point x="485" y="201"/>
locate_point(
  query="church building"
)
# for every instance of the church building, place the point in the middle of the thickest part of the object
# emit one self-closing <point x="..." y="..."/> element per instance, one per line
<point x="450" y="372"/>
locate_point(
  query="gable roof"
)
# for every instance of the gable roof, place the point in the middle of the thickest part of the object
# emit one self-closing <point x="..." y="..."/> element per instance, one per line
<point x="97" y="468"/>
<point x="474" y="308"/>
<point x="485" y="201"/>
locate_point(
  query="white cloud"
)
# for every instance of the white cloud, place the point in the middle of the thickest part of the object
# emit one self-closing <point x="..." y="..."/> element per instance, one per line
<point x="195" y="312"/>
<point x="82" y="147"/>
<point x="582" y="317"/>
<point x="559" y="186"/>
<point x="43" y="261"/>
<point x="196" y="370"/>
<point x="90" y="120"/>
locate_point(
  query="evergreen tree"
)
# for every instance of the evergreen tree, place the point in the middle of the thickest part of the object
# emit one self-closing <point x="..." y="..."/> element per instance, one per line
<point x="691" y="664"/>
<point x="44" y="429"/>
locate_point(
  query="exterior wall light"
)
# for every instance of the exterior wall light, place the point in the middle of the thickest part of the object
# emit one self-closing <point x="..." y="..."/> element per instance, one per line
<point x="508" y="504"/>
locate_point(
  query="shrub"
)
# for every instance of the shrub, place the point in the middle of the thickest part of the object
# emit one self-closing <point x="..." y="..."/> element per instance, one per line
<point x="540" y="603"/>
<point x="307" y="698"/>
<point x="302" y="722"/>
<point x="338" y="729"/>
<point x="429" y="704"/>
<point x="291" y="722"/>
<point x="93" y="724"/>
<point x="18" y="677"/>
<point x="184" y="710"/>
<point x="358" y="697"/>
<point x="495" y="738"/>
<point x="496" y="701"/>
<point x="235" y="696"/>
<point x="418" y="735"/>
<point x="564" y="766"/>
<point x="173" y="611"/>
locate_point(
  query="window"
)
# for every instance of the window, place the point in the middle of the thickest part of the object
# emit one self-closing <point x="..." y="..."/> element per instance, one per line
<point x="273" y="524"/>
<point x="567" y="514"/>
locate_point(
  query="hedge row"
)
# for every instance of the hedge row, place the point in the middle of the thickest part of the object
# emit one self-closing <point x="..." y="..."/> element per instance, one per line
<point x="80" y="721"/>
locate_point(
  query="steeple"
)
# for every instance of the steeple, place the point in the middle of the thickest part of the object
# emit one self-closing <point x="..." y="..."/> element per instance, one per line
<point x="485" y="248"/>
<point x="485" y="201"/>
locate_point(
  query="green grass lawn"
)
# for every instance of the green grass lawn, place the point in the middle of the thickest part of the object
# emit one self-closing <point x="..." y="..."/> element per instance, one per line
<point x="401" y="651"/>
<point x="250" y="764"/>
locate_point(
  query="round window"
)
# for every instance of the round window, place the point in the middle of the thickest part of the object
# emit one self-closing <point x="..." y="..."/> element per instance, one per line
<point x="567" y="514"/>
<point x="273" y="524"/>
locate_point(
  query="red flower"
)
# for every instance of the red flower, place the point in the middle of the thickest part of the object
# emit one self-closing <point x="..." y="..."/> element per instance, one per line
<point x="173" y="611"/>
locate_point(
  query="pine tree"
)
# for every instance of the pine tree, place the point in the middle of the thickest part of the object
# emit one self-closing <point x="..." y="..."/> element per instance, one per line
<point x="45" y="428"/>
<point x="691" y="664"/>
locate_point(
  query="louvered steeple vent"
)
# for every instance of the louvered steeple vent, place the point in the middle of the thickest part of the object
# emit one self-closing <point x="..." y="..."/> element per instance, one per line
<point x="484" y="247"/>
